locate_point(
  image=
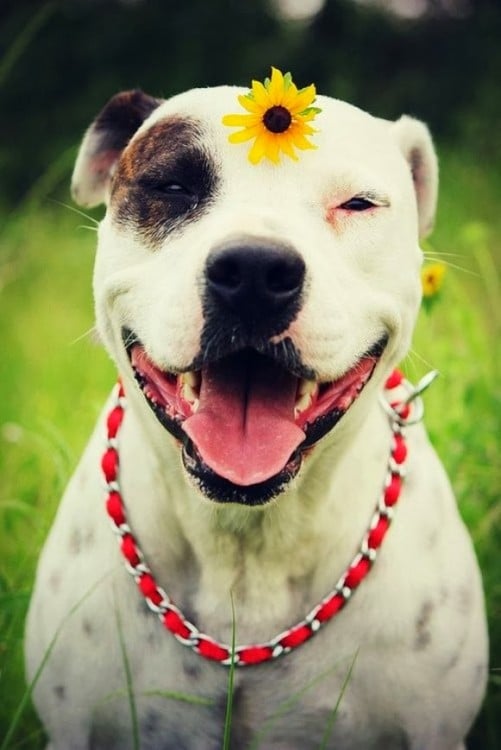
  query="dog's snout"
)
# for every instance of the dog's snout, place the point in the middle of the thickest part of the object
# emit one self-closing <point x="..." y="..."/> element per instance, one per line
<point x="255" y="279"/>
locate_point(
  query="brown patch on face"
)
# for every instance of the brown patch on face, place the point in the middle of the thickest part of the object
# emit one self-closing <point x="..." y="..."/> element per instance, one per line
<point x="163" y="179"/>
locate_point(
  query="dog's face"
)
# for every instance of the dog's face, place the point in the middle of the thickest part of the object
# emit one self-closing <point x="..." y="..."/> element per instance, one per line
<point x="252" y="304"/>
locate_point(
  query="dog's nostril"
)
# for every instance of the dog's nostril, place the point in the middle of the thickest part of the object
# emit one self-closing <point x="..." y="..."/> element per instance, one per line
<point x="255" y="279"/>
<point x="225" y="274"/>
<point x="285" y="276"/>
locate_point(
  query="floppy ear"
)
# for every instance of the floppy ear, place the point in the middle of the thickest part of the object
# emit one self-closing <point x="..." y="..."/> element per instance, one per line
<point x="103" y="143"/>
<point x="417" y="147"/>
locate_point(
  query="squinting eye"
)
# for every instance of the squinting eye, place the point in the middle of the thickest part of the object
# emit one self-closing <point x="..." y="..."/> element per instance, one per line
<point x="357" y="204"/>
<point x="172" y="188"/>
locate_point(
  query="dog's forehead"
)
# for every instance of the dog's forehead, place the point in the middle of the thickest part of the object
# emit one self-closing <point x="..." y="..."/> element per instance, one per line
<point x="343" y="131"/>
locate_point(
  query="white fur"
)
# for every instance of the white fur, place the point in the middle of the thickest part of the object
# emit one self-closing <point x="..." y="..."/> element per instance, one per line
<point x="415" y="629"/>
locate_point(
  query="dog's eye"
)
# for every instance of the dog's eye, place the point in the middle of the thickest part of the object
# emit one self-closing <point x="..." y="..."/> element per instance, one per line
<point x="358" y="203"/>
<point x="173" y="188"/>
<point x="179" y="196"/>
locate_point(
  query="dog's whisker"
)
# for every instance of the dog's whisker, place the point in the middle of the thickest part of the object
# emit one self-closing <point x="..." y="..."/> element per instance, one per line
<point x="84" y="226"/>
<point x="413" y="353"/>
<point x="76" y="211"/>
<point x="90" y="333"/>
<point x="440" y="254"/>
<point x="456" y="267"/>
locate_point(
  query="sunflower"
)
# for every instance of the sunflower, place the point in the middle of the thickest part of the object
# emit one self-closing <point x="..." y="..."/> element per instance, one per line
<point x="432" y="278"/>
<point x="277" y="119"/>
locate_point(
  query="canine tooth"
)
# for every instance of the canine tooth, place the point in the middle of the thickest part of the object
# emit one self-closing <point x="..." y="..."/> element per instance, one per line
<point x="302" y="403"/>
<point x="306" y="387"/>
<point x="189" y="394"/>
<point x="191" y="378"/>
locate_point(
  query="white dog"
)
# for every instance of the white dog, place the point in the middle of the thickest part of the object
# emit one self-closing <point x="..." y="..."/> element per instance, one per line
<point x="255" y="312"/>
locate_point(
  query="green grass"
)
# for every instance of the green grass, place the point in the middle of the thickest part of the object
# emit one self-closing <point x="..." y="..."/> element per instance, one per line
<point x="54" y="378"/>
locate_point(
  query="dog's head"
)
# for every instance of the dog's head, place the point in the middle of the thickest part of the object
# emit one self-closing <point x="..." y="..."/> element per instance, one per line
<point x="252" y="304"/>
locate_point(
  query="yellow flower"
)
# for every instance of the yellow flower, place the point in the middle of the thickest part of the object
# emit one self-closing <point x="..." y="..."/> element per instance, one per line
<point x="432" y="277"/>
<point x="277" y="119"/>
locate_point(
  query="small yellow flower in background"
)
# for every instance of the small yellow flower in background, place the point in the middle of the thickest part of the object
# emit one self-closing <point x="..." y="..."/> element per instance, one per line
<point x="432" y="278"/>
<point x="277" y="119"/>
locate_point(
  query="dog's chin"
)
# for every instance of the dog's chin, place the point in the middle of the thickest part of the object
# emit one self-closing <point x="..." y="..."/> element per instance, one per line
<point x="221" y="490"/>
<point x="245" y="422"/>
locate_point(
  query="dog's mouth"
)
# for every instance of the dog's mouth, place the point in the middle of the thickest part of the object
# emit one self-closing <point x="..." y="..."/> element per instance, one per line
<point x="245" y="421"/>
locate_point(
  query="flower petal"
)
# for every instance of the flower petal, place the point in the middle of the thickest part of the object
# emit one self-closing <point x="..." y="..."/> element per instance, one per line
<point x="300" y="141"/>
<point x="276" y="87"/>
<point x="289" y="97"/>
<point x="250" y="104"/>
<point x="303" y="99"/>
<point x="286" y="145"/>
<point x="261" y="95"/>
<point x="241" y="120"/>
<point x="258" y="150"/>
<point x="246" y="134"/>
<point x="273" y="147"/>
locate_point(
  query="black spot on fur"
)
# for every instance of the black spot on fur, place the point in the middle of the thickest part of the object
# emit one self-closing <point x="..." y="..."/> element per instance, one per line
<point x="79" y="539"/>
<point x="60" y="692"/>
<point x="423" y="632"/>
<point x="75" y="542"/>
<point x="55" y="580"/>
<point x="191" y="668"/>
<point x="151" y="724"/>
<point x="463" y="600"/>
<point x="479" y="674"/>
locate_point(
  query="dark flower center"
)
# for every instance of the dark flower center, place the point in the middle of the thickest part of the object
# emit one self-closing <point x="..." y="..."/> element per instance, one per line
<point x="277" y="119"/>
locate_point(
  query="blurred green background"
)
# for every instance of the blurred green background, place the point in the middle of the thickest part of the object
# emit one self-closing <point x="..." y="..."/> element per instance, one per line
<point x="439" y="60"/>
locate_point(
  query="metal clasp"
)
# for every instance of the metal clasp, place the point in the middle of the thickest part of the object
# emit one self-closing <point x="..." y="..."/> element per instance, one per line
<point x="413" y="397"/>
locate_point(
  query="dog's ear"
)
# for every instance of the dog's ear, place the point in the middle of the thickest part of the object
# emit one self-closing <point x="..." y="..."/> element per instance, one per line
<point x="103" y="143"/>
<point x="417" y="147"/>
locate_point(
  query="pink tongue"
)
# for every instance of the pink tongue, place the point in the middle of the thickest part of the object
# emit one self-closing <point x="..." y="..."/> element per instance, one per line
<point x="244" y="428"/>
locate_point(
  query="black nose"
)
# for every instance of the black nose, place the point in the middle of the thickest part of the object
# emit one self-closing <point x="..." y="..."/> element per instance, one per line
<point x="256" y="279"/>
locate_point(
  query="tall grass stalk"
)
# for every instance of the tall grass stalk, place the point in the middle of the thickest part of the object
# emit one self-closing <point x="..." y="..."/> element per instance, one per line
<point x="128" y="678"/>
<point x="23" y="39"/>
<point x="231" y="680"/>
<point x="333" y="715"/>
<point x="29" y="690"/>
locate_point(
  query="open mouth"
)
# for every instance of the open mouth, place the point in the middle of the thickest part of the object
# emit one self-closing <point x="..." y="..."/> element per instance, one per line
<point x="245" y="421"/>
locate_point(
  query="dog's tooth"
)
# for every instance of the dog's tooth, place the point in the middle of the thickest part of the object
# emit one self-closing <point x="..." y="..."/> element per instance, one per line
<point x="189" y="393"/>
<point x="306" y="387"/>
<point x="302" y="403"/>
<point x="191" y="378"/>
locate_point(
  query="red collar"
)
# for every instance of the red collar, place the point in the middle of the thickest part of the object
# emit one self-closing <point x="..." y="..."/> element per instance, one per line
<point x="400" y="413"/>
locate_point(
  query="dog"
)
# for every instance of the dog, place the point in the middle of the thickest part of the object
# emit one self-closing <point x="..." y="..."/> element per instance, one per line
<point x="256" y="314"/>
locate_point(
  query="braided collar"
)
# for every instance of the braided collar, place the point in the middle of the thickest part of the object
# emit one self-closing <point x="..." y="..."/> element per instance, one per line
<point x="400" y="413"/>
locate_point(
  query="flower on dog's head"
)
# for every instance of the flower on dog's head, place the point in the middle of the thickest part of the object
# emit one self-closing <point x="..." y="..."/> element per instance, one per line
<point x="278" y="118"/>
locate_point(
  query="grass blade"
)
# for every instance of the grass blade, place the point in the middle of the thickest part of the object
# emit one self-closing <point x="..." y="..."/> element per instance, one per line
<point x="23" y="39"/>
<point x="332" y="718"/>
<point x="286" y="705"/>
<point x="231" y="680"/>
<point x="29" y="690"/>
<point x="128" y="679"/>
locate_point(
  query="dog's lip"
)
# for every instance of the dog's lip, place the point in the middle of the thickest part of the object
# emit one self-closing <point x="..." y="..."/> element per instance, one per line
<point x="317" y="408"/>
